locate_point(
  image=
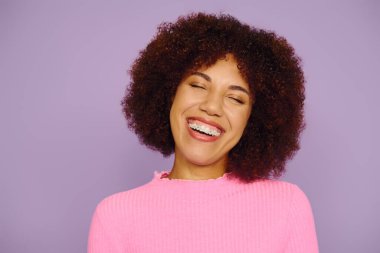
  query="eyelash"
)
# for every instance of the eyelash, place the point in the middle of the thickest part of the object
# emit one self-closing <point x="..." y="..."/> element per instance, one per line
<point x="237" y="100"/>
<point x="194" y="85"/>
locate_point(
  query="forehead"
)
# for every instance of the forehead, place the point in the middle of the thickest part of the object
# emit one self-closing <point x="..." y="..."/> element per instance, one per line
<point x="224" y="70"/>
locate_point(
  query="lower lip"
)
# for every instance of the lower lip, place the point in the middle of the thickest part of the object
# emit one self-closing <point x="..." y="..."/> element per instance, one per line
<point x="201" y="137"/>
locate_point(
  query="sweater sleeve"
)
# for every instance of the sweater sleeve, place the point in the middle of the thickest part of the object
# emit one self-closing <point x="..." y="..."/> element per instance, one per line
<point x="103" y="236"/>
<point x="302" y="234"/>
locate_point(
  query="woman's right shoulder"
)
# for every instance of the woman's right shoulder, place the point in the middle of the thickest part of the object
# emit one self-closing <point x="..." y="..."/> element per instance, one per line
<point x="121" y="200"/>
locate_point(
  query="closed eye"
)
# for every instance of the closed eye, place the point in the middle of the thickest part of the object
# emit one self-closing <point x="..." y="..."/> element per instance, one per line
<point x="195" y="85"/>
<point x="237" y="100"/>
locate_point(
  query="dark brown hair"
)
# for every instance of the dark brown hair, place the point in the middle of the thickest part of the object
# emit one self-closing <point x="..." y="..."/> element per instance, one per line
<point x="265" y="60"/>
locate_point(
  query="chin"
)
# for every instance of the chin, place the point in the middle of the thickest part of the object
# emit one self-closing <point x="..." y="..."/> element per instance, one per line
<point x="200" y="159"/>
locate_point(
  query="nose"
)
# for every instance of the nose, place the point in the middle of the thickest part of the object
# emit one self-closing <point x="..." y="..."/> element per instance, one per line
<point x="212" y="105"/>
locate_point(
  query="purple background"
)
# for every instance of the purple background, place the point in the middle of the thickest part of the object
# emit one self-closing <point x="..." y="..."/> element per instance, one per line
<point x="64" y="144"/>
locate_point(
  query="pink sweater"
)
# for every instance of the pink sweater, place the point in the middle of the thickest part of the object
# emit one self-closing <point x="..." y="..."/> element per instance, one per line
<point x="215" y="215"/>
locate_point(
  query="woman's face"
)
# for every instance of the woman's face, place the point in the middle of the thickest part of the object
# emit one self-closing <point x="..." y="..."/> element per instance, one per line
<point x="209" y="113"/>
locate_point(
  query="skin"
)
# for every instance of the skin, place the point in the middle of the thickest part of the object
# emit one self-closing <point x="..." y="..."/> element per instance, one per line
<point x="215" y="96"/>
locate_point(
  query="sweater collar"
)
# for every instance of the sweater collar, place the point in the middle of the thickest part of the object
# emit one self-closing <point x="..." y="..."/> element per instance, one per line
<point x="163" y="176"/>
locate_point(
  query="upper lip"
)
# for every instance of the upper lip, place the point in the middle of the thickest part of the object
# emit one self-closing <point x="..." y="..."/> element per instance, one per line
<point x="208" y="122"/>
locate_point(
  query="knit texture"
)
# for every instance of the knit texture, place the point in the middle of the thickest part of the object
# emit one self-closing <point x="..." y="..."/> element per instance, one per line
<point x="214" y="215"/>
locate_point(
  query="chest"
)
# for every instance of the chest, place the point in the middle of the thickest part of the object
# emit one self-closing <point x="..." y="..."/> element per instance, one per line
<point x="208" y="226"/>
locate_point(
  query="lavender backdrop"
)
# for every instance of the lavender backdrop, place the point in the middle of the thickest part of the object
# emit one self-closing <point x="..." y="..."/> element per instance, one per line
<point x="64" y="144"/>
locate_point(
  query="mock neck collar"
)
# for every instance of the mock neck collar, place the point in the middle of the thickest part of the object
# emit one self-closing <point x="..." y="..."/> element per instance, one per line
<point x="163" y="176"/>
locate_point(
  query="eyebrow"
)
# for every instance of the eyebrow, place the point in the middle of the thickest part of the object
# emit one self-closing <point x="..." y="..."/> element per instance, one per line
<point x="231" y="87"/>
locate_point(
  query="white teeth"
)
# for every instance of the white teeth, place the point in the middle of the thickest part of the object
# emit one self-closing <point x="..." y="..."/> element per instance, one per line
<point x="204" y="129"/>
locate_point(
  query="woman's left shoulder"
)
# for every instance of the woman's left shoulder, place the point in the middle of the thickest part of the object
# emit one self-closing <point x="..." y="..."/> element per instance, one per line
<point x="279" y="189"/>
<point x="276" y="184"/>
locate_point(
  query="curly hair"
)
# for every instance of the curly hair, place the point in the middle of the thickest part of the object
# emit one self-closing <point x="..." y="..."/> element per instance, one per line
<point x="265" y="60"/>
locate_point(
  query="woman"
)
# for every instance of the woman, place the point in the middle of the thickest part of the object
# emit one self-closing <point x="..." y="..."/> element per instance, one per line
<point x="227" y="99"/>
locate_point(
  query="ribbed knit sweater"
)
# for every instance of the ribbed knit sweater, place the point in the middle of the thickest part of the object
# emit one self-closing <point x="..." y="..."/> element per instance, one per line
<point x="215" y="215"/>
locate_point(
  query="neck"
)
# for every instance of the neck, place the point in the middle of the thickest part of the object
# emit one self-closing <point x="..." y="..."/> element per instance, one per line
<point x="183" y="169"/>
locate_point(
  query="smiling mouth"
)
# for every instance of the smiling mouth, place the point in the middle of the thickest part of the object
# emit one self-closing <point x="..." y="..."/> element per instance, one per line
<point x="204" y="128"/>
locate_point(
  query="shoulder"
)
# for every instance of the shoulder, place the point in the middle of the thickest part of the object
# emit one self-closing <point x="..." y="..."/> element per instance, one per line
<point x="288" y="209"/>
<point x="119" y="202"/>
<point x="290" y="196"/>
<point x="277" y="191"/>
<point x="275" y="187"/>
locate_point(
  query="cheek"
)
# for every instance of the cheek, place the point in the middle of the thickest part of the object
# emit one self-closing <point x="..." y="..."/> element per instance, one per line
<point x="176" y="114"/>
<point x="173" y="117"/>
<point x="176" y="105"/>
<point x="240" y="120"/>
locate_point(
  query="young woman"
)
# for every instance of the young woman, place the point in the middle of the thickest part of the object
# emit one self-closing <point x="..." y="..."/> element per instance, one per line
<point x="227" y="99"/>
